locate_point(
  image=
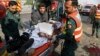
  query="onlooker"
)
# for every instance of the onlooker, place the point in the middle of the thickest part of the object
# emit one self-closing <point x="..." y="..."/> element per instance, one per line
<point x="40" y="15"/>
<point x="92" y="13"/>
<point x="2" y="15"/>
<point x="96" y="22"/>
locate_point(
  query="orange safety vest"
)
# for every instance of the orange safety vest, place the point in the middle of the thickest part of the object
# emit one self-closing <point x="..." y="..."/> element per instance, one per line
<point x="19" y="8"/>
<point x="78" y="31"/>
<point x="97" y="16"/>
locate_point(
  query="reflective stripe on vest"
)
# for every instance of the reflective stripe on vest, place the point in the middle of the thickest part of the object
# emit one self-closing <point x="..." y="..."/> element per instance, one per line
<point x="19" y="8"/>
<point x="97" y="14"/>
<point x="78" y="31"/>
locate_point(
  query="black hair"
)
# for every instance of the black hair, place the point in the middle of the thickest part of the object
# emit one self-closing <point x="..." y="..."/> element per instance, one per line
<point x="41" y="5"/>
<point x="11" y="3"/>
<point x="74" y="2"/>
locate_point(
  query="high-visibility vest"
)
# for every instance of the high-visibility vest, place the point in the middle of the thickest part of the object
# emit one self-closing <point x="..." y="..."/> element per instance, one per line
<point x="19" y="7"/>
<point x="2" y="12"/>
<point x="78" y="31"/>
<point x="97" y="16"/>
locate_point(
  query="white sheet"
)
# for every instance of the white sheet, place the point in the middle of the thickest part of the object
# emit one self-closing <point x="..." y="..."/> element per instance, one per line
<point x="38" y="41"/>
<point x="46" y="28"/>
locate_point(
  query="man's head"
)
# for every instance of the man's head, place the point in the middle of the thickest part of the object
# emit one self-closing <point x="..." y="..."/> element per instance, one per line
<point x="13" y="6"/>
<point x="98" y="6"/>
<point x="54" y="5"/>
<point x="42" y="8"/>
<point x="69" y="6"/>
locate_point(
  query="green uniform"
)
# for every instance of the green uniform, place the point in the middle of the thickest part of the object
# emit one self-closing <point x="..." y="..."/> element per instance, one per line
<point x="53" y="15"/>
<point x="10" y="25"/>
<point x="70" y="43"/>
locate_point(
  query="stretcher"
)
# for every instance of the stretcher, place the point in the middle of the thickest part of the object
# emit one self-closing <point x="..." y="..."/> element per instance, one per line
<point x="46" y="49"/>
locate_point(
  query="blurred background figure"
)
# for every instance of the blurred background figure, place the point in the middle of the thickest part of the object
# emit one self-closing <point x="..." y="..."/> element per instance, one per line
<point x="96" y="22"/>
<point x="92" y="13"/>
<point x="19" y="6"/>
<point x="3" y="7"/>
<point x="53" y="10"/>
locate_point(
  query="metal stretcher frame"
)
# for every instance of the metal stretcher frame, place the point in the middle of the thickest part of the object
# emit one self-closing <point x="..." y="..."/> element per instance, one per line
<point x="44" y="50"/>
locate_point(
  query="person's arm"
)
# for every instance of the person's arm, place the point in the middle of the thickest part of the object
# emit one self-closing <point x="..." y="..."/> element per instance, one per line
<point x="34" y="19"/>
<point x="61" y="36"/>
<point x="71" y="26"/>
<point x="45" y="17"/>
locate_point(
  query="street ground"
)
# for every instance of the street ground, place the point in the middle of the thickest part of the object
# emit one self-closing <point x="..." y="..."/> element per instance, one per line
<point x="89" y="45"/>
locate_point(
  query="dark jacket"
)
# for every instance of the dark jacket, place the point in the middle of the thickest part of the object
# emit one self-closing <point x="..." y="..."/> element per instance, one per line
<point x="70" y="44"/>
<point x="10" y="23"/>
<point x="38" y="17"/>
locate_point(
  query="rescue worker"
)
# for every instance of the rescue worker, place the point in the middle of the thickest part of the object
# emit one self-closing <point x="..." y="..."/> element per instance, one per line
<point x="96" y="22"/>
<point x="40" y="15"/>
<point x="9" y="24"/>
<point x="73" y="29"/>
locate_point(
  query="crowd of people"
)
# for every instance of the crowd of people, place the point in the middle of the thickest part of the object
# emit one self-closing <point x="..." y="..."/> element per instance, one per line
<point x="70" y="28"/>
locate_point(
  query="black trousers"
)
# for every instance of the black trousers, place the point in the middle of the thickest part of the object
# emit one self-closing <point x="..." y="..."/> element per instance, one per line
<point x="14" y="35"/>
<point x="96" y="27"/>
<point x="69" y="49"/>
<point x="25" y="46"/>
